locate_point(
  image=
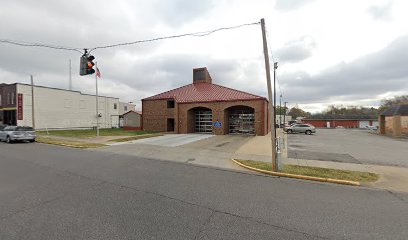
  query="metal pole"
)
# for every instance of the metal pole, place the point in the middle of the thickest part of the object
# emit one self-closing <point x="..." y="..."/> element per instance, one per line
<point x="275" y="66"/>
<point x="32" y="101"/>
<point x="284" y="114"/>
<point x="280" y="111"/>
<point x="97" y="102"/>
<point x="70" y="75"/>
<point x="271" y="110"/>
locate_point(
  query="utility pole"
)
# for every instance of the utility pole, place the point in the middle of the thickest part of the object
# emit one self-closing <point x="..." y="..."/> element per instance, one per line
<point x="32" y="101"/>
<point x="284" y="115"/>
<point x="271" y="109"/>
<point x="97" y="103"/>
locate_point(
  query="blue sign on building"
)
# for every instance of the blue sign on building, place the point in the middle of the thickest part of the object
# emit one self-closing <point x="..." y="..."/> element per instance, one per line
<point x="217" y="124"/>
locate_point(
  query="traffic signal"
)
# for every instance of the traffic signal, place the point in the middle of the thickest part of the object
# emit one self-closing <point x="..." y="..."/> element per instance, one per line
<point x="90" y="65"/>
<point x="86" y="64"/>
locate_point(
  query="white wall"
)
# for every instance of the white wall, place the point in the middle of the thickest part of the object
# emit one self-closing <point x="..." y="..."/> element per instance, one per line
<point x="287" y="118"/>
<point x="364" y="123"/>
<point x="57" y="108"/>
<point x="130" y="107"/>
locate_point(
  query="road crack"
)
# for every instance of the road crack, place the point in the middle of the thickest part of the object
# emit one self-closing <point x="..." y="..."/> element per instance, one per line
<point x="205" y="223"/>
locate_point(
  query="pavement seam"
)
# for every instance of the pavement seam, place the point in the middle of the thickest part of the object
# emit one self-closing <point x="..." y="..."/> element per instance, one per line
<point x="32" y="207"/>
<point x="215" y="210"/>
<point x="202" y="227"/>
<point x="40" y="204"/>
<point x="396" y="196"/>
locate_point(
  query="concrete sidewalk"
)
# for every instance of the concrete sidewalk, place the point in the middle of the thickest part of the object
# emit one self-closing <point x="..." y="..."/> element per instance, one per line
<point x="259" y="148"/>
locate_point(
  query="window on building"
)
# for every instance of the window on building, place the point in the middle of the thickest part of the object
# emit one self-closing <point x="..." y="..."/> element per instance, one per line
<point x="13" y="98"/>
<point x="0" y="99"/>
<point x="125" y="108"/>
<point x="170" y="104"/>
<point x="115" y="106"/>
<point x="8" y="98"/>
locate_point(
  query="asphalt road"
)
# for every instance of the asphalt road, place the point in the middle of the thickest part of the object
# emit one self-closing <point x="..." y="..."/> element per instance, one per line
<point x="349" y="146"/>
<point x="50" y="192"/>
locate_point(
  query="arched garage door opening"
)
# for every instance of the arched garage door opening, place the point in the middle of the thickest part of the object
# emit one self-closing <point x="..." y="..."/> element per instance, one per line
<point x="241" y="120"/>
<point x="200" y="120"/>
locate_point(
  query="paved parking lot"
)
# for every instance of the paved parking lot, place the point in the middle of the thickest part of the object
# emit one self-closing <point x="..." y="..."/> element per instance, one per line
<point x="198" y="149"/>
<point x="349" y="145"/>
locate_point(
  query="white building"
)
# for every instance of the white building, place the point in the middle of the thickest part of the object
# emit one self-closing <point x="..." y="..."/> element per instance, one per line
<point x="56" y="108"/>
<point x="126" y="107"/>
<point x="283" y="119"/>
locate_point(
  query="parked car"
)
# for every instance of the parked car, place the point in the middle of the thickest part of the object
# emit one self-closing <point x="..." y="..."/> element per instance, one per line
<point x="300" y="128"/>
<point x="373" y="128"/>
<point x="2" y="126"/>
<point x="16" y="133"/>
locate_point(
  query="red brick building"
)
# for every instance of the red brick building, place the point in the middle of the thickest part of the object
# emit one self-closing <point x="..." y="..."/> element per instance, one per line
<point x="338" y="122"/>
<point x="204" y="107"/>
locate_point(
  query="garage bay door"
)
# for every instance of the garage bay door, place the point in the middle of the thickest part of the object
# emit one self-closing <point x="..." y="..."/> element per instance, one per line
<point x="242" y="121"/>
<point x="203" y="121"/>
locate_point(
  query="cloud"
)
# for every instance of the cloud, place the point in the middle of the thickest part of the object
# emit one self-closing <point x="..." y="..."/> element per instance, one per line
<point x="364" y="78"/>
<point x="296" y="51"/>
<point x="178" y="12"/>
<point x="381" y="12"/>
<point x="288" y="5"/>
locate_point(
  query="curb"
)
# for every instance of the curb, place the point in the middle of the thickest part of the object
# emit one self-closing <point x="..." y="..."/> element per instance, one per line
<point x="279" y="174"/>
<point x="66" y="145"/>
<point x="63" y="145"/>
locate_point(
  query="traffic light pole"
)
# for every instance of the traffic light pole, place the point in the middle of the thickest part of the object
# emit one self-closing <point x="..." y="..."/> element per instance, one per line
<point x="97" y="103"/>
<point x="271" y="108"/>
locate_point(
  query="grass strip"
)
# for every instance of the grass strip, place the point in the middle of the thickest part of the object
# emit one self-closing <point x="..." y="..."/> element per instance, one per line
<point x="88" y="133"/>
<point x="316" y="171"/>
<point x="68" y="143"/>
<point x="135" y="138"/>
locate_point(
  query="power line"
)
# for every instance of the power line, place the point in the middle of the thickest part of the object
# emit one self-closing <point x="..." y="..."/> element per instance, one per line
<point x="26" y="44"/>
<point x="196" y="34"/>
<point x="273" y="59"/>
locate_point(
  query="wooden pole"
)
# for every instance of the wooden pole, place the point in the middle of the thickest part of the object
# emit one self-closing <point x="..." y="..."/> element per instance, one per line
<point x="271" y="104"/>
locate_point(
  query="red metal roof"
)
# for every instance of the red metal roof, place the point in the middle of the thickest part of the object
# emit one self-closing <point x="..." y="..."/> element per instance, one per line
<point x="204" y="92"/>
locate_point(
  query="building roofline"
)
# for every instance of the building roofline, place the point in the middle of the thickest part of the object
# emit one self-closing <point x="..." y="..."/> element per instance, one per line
<point x="231" y="100"/>
<point x="61" y="89"/>
<point x="256" y="97"/>
<point x="131" y="112"/>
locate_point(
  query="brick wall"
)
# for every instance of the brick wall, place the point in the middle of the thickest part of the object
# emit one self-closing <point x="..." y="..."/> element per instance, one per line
<point x="396" y="125"/>
<point x="404" y="125"/>
<point x="155" y="114"/>
<point x="333" y="123"/>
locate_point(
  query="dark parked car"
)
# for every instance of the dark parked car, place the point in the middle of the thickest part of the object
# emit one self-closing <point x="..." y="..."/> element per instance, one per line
<point x="16" y="133"/>
<point x="300" y="128"/>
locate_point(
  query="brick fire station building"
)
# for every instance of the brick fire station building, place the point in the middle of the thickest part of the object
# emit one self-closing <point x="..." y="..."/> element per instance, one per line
<point x="204" y="107"/>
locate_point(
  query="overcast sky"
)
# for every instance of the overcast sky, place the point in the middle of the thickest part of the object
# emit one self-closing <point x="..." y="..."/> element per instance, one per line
<point x="329" y="51"/>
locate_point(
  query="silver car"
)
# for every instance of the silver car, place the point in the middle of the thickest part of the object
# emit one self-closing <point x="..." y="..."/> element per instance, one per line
<point x="16" y="133"/>
<point x="300" y="128"/>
